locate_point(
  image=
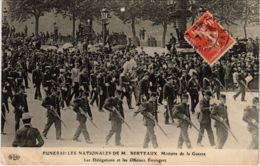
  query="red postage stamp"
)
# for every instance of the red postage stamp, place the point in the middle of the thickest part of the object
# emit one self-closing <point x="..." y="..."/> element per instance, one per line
<point x="209" y="38"/>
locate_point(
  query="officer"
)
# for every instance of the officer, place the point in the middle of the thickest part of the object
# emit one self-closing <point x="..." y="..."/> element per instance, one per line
<point x="62" y="85"/>
<point x="20" y="106"/>
<point x="144" y="87"/>
<point x="161" y="82"/>
<point x="37" y="80"/>
<point x="182" y="113"/>
<point x="3" y="117"/>
<point x="84" y="80"/>
<point x="193" y="88"/>
<point x="51" y="103"/>
<point x="28" y="136"/>
<point x="94" y="94"/>
<point x="47" y="79"/>
<point x="82" y="108"/>
<point x="242" y="89"/>
<point x="125" y="88"/>
<point x="220" y="115"/>
<point x="251" y="118"/>
<point x="183" y="83"/>
<point x="147" y="110"/>
<point x="101" y="90"/>
<point x="116" y="116"/>
<point x="205" y="119"/>
<point x="169" y="96"/>
<point x="110" y="84"/>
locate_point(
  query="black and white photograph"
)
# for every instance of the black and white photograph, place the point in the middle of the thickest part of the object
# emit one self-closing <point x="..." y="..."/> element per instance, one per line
<point x="129" y="74"/>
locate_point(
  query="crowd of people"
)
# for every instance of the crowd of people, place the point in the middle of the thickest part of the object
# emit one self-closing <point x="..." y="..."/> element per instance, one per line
<point x="80" y="78"/>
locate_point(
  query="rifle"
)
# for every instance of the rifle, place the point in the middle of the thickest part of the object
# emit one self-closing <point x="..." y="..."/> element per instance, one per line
<point x="85" y="114"/>
<point x="57" y="115"/>
<point x="190" y="122"/>
<point x="150" y="116"/>
<point x="226" y="127"/>
<point x="120" y="116"/>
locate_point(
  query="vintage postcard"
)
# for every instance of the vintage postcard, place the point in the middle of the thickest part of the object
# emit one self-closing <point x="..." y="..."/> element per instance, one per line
<point x="129" y="82"/>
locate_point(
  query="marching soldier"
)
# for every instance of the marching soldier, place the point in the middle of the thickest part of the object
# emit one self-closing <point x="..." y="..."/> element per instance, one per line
<point x="183" y="115"/>
<point x="220" y="115"/>
<point x="47" y="79"/>
<point x="63" y="88"/>
<point x="94" y="94"/>
<point x="51" y="103"/>
<point x="147" y="110"/>
<point x="193" y="88"/>
<point x="242" y="86"/>
<point x="161" y="82"/>
<point x="251" y="118"/>
<point x="28" y="136"/>
<point x="125" y="88"/>
<point x="116" y="116"/>
<point x="101" y="90"/>
<point x="143" y="88"/>
<point x="205" y="119"/>
<point x="183" y="83"/>
<point x="3" y="117"/>
<point x="84" y="80"/>
<point x="83" y="110"/>
<point x="37" y="80"/>
<point x="169" y="96"/>
<point x="20" y="106"/>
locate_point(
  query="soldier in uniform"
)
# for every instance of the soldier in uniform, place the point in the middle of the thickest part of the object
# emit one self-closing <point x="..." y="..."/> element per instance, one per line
<point x="47" y="80"/>
<point x="193" y="88"/>
<point x="27" y="136"/>
<point x="101" y="90"/>
<point x="220" y="115"/>
<point x="242" y="89"/>
<point x="125" y="89"/>
<point x="82" y="108"/>
<point x="251" y="118"/>
<point x="147" y="110"/>
<point x="169" y="96"/>
<point x="84" y="80"/>
<point x="94" y="94"/>
<point x="116" y="116"/>
<point x="63" y="88"/>
<point x="205" y="119"/>
<point x="20" y="106"/>
<point x="183" y="83"/>
<point x="51" y="103"/>
<point x="143" y="88"/>
<point x="182" y="113"/>
<point x="37" y="80"/>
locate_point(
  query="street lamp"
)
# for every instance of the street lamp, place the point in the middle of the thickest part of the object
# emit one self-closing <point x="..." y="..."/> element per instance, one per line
<point x="181" y="13"/>
<point x="5" y="12"/>
<point x="104" y="19"/>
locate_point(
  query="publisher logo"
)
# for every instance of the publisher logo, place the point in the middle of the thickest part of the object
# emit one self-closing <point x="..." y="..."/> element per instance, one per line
<point x="14" y="157"/>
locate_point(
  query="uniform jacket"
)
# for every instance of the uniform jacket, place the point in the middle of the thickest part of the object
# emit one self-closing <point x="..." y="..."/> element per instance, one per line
<point x="180" y="111"/>
<point x="28" y="137"/>
<point x="251" y="113"/>
<point x="82" y="105"/>
<point x="204" y="115"/>
<point x="220" y="111"/>
<point x="114" y="102"/>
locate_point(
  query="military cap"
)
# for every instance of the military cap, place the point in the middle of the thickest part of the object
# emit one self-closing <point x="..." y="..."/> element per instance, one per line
<point x="185" y="96"/>
<point x="208" y="93"/>
<point x="223" y="96"/>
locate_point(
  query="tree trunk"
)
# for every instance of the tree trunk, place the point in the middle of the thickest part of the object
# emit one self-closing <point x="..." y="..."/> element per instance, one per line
<point x="37" y="18"/>
<point x="164" y="34"/>
<point x="133" y="27"/>
<point x="245" y="23"/>
<point x="73" y="25"/>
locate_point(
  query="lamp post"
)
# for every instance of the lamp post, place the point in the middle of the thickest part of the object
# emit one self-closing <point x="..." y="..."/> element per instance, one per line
<point x="181" y="13"/>
<point x="5" y="12"/>
<point x="104" y="19"/>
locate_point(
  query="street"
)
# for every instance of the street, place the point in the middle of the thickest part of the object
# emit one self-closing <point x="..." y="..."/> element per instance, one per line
<point x="130" y="138"/>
